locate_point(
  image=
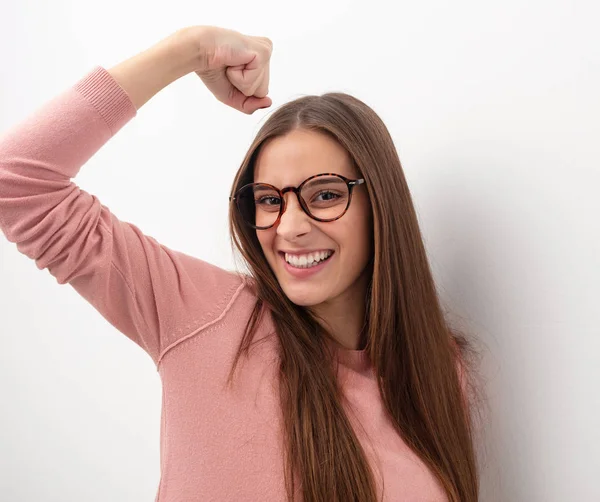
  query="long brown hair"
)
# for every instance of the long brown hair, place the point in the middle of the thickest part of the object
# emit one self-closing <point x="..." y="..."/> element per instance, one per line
<point x="414" y="352"/>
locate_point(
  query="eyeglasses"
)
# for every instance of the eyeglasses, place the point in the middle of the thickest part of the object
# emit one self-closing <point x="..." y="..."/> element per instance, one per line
<point x="323" y="197"/>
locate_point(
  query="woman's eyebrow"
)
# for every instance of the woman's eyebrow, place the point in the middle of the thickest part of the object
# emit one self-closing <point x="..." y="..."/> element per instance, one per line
<point x="316" y="181"/>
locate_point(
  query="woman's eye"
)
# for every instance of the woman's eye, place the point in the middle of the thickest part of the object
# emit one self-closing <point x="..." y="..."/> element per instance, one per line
<point x="269" y="201"/>
<point x="328" y="195"/>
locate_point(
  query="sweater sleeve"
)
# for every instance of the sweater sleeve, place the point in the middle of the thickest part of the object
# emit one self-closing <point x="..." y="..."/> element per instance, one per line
<point x="152" y="294"/>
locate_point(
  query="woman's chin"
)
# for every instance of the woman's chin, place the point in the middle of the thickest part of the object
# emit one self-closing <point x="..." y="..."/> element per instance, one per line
<point x="304" y="296"/>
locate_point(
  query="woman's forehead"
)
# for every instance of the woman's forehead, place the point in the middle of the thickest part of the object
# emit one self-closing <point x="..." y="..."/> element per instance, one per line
<point x="290" y="159"/>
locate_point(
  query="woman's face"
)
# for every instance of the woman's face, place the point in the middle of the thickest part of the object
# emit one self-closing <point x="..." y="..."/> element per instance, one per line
<point x="287" y="161"/>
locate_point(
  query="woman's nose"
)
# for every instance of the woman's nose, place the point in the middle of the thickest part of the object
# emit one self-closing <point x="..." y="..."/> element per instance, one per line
<point x="294" y="221"/>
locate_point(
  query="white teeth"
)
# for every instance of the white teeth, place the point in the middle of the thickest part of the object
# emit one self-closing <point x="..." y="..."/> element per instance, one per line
<point x="307" y="260"/>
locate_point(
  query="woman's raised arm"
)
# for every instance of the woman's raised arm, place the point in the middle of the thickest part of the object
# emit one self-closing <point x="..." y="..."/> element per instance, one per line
<point x="149" y="292"/>
<point x="233" y="66"/>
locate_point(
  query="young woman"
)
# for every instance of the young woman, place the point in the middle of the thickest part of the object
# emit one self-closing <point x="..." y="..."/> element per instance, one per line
<point x="326" y="374"/>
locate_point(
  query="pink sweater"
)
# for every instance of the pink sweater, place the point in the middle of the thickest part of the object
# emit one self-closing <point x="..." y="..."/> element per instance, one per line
<point x="217" y="444"/>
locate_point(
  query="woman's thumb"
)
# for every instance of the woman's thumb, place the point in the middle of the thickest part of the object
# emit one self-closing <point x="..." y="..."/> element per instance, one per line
<point x="252" y="104"/>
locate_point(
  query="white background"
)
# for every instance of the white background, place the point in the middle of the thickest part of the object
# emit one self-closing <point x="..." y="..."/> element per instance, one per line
<point x="494" y="110"/>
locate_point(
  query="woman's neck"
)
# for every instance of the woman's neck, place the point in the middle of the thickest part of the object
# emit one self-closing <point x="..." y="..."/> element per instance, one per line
<point x="344" y="316"/>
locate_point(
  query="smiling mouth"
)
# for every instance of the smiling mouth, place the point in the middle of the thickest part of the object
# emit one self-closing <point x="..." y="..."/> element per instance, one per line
<point x="313" y="264"/>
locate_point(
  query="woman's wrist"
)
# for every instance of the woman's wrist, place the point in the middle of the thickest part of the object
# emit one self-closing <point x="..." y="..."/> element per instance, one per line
<point x="145" y="74"/>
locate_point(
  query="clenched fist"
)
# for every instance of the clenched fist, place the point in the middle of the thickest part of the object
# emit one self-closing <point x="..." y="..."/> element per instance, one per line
<point x="234" y="67"/>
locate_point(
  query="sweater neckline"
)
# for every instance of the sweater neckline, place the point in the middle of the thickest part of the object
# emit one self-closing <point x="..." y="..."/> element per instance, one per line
<point x="357" y="360"/>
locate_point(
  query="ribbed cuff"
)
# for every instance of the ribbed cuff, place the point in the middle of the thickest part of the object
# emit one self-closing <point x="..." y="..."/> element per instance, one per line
<point x="108" y="97"/>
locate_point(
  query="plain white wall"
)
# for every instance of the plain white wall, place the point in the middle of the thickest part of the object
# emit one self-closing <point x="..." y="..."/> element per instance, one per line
<point x="494" y="110"/>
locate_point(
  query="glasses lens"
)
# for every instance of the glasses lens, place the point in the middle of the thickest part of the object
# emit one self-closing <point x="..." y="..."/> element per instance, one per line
<point x="326" y="197"/>
<point x="258" y="204"/>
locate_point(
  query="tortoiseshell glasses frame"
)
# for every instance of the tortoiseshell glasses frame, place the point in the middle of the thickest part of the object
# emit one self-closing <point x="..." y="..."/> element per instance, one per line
<point x="350" y="183"/>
